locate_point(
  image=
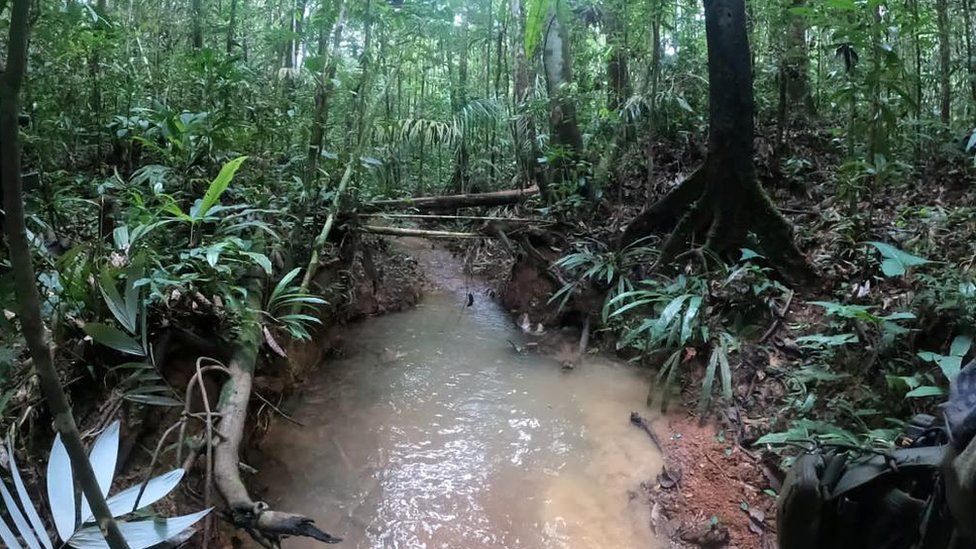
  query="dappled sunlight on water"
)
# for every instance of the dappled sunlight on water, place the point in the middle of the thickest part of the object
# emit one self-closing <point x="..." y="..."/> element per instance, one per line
<point x="435" y="433"/>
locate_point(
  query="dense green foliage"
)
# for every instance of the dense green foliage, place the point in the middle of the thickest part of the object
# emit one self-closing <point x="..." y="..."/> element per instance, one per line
<point x="179" y="146"/>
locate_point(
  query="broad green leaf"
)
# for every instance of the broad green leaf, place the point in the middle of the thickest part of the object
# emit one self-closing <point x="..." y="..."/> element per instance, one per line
<point x="667" y="316"/>
<point x="103" y="456"/>
<point x="115" y="302"/>
<point x="896" y="262"/>
<point x="892" y="268"/>
<point x="925" y="391"/>
<point x="139" y="535"/>
<point x="537" y="11"/>
<point x="217" y="187"/>
<point x="261" y="260"/>
<point x="961" y="345"/>
<point x="688" y="323"/>
<point x="61" y="490"/>
<point x="113" y="337"/>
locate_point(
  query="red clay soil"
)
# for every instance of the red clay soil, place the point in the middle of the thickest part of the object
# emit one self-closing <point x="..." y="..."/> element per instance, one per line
<point x="711" y="494"/>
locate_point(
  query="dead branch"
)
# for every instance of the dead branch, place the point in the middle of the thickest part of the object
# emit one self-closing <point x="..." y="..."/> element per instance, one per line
<point x="422" y="233"/>
<point x="449" y="202"/>
<point x="265" y="525"/>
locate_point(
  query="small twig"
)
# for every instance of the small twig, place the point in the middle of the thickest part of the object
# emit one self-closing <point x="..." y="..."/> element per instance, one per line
<point x="208" y="486"/>
<point x="152" y="462"/>
<point x="278" y="410"/>
<point x="637" y="420"/>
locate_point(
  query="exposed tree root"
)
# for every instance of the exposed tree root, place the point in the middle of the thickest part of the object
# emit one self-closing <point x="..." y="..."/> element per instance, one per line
<point x="265" y="525"/>
<point x="695" y="204"/>
<point x="666" y="212"/>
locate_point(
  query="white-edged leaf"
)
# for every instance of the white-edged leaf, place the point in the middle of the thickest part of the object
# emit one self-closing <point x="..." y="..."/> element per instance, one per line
<point x="124" y="502"/>
<point x="103" y="456"/>
<point x="114" y="338"/>
<point x="7" y="537"/>
<point x="61" y="489"/>
<point x="26" y="502"/>
<point x="139" y="535"/>
<point x="26" y="532"/>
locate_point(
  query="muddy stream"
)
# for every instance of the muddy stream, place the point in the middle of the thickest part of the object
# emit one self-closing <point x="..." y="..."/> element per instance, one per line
<point x="433" y="431"/>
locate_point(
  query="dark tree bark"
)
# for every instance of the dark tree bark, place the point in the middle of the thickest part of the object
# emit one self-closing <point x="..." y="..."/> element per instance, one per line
<point x="28" y="300"/>
<point x="945" y="83"/>
<point x="196" y="38"/>
<point x="724" y="194"/>
<point x="231" y="26"/>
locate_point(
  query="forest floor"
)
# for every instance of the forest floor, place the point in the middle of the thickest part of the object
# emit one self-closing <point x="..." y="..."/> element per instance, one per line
<point x="718" y="488"/>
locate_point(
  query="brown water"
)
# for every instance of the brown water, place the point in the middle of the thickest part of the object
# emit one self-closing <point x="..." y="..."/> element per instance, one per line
<point x="434" y="432"/>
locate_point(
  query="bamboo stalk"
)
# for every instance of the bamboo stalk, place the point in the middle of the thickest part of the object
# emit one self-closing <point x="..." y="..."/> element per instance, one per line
<point x="323" y="237"/>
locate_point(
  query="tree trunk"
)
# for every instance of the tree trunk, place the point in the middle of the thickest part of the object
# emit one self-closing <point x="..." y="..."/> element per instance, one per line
<point x="945" y="85"/>
<point x="797" y="62"/>
<point x="28" y="300"/>
<point x="196" y="38"/>
<point x="231" y="26"/>
<point x="618" y="71"/>
<point x="460" y="178"/>
<point x="565" y="132"/>
<point x="724" y="194"/>
<point x="324" y="88"/>
<point x="523" y="127"/>
<point x="970" y="66"/>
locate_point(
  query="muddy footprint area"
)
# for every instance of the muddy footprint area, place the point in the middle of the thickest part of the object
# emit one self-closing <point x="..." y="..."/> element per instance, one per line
<point x="432" y="430"/>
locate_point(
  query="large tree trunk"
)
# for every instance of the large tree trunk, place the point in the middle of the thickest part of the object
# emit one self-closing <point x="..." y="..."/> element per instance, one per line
<point x="724" y="196"/>
<point x="565" y="132"/>
<point x="523" y="128"/>
<point x="21" y="266"/>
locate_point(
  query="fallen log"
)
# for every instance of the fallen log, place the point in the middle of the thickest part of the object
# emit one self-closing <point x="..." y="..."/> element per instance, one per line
<point x="456" y="217"/>
<point x="422" y="233"/>
<point x="265" y="525"/>
<point x="498" y="198"/>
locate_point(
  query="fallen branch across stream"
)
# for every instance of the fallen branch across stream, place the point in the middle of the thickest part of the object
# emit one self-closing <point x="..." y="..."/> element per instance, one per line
<point x="498" y="198"/>
<point x="423" y="233"/>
